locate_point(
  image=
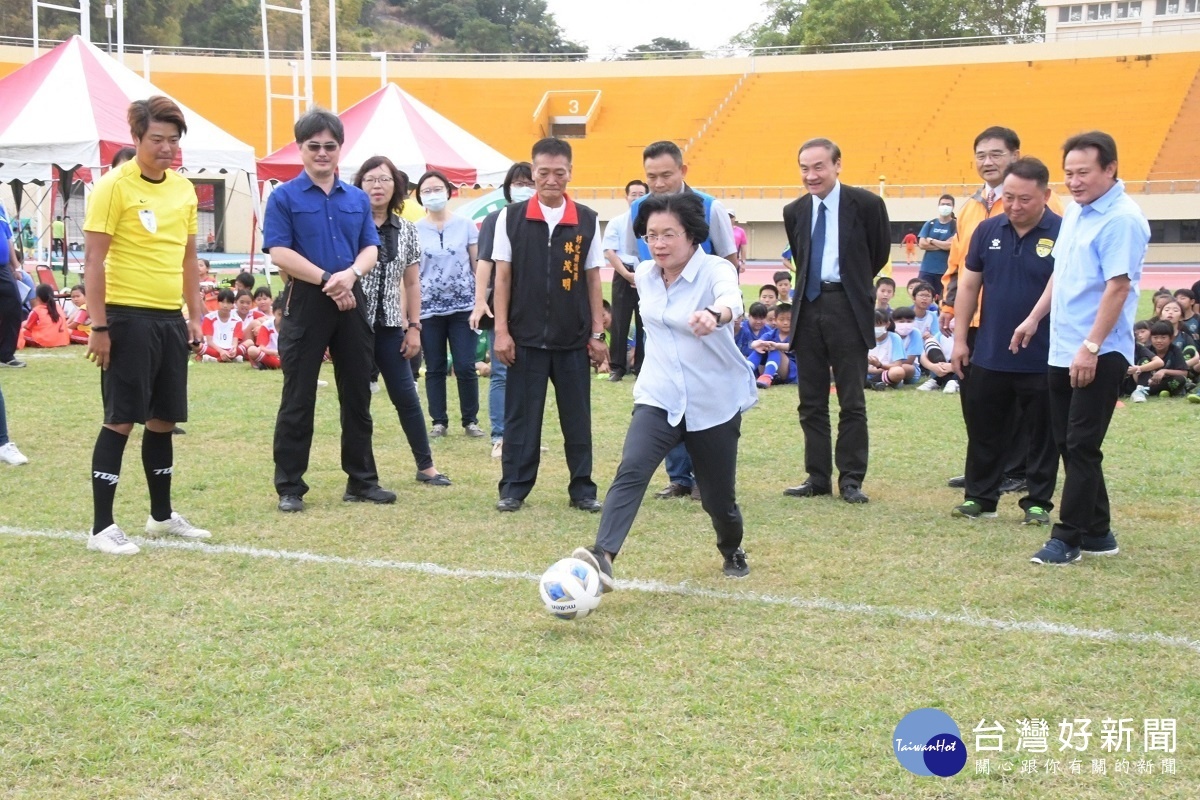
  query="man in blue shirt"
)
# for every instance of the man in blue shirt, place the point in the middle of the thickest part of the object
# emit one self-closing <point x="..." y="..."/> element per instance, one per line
<point x="1010" y="261"/>
<point x="319" y="232"/>
<point x="1092" y="303"/>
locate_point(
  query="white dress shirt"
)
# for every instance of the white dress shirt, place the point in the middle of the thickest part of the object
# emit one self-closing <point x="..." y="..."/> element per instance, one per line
<point x="831" y="267"/>
<point x="614" y="236"/>
<point x="703" y="380"/>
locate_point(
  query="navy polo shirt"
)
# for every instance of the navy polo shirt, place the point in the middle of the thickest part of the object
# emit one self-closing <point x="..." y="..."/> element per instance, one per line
<point x="330" y="230"/>
<point x="1015" y="271"/>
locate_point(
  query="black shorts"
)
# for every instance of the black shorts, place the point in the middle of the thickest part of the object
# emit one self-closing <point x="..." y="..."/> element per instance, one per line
<point x="147" y="367"/>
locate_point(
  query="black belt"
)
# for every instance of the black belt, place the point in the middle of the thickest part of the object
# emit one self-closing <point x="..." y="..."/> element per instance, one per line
<point x="831" y="286"/>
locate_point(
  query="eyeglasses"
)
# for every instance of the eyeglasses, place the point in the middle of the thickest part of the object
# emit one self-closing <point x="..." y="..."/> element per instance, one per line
<point x="665" y="238"/>
<point x="431" y="191"/>
<point x="316" y="147"/>
<point x="991" y="155"/>
<point x="381" y="181"/>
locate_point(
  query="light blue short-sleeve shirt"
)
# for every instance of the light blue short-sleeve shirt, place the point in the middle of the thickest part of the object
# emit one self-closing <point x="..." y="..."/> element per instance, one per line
<point x="1100" y="241"/>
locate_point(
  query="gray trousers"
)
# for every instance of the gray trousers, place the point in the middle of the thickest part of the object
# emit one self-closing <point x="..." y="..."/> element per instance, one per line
<point x="714" y="456"/>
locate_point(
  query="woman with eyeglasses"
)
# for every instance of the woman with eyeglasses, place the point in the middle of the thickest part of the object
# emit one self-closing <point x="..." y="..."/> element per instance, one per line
<point x="393" y="304"/>
<point x="448" y="248"/>
<point x="694" y="384"/>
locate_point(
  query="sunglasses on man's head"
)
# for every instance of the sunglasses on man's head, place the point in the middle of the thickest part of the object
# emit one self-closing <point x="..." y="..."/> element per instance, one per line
<point x="316" y="147"/>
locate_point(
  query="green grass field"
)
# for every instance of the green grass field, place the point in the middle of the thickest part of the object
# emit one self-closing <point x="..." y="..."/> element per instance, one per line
<point x="402" y="651"/>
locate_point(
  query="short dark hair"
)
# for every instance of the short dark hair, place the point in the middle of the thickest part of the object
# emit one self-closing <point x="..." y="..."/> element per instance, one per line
<point x="122" y="155"/>
<point x="687" y="208"/>
<point x="784" y="310"/>
<point x="242" y="293"/>
<point x="226" y="296"/>
<point x="1007" y="135"/>
<point x="636" y="182"/>
<point x="262" y="291"/>
<point x="399" y="180"/>
<point x="245" y="279"/>
<point x="1030" y="169"/>
<point x="314" y="121"/>
<point x="882" y="317"/>
<point x="769" y="287"/>
<point x="781" y="275"/>
<point x="834" y="151"/>
<point x="884" y="279"/>
<point x="433" y="174"/>
<point x="607" y="305"/>
<point x="663" y="148"/>
<point x="1162" y="328"/>
<point x="1188" y="293"/>
<point x="521" y="169"/>
<point x="757" y="310"/>
<point x="277" y="304"/>
<point x="155" y="109"/>
<point x="1105" y="146"/>
<point x="1141" y="325"/>
<point x="551" y="147"/>
<point x="924" y="287"/>
<point x="79" y="288"/>
<point x="904" y="312"/>
<point x="949" y="197"/>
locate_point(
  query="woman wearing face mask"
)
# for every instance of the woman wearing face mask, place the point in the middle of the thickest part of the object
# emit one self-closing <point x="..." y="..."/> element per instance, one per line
<point x="904" y="325"/>
<point x="934" y="239"/>
<point x="397" y="336"/>
<point x="448" y="246"/>
<point x="517" y="188"/>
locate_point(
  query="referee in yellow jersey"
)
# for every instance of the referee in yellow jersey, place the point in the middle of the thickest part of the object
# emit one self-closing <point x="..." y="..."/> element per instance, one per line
<point x="140" y="261"/>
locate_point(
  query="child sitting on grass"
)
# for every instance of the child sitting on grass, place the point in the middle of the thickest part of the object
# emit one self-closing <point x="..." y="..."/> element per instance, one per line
<point x="222" y="332"/>
<point x="937" y="364"/>
<point x="783" y="285"/>
<point x="79" y="324"/>
<point x="904" y="325"/>
<point x="769" y="352"/>
<point x="46" y="325"/>
<point x="768" y="295"/>
<point x="885" y="290"/>
<point x="925" y="315"/>
<point x="1136" y="384"/>
<point x="264" y="353"/>
<point x="754" y="326"/>
<point x="1169" y="380"/>
<point x="886" y="364"/>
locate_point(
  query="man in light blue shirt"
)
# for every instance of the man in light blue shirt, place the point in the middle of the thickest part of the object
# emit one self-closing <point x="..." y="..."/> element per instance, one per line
<point x="1092" y="300"/>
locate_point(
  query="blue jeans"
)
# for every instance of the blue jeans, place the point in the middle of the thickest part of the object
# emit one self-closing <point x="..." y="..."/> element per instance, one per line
<point x="436" y="333"/>
<point x="496" y="389"/>
<point x="679" y="466"/>
<point x="398" y="378"/>
<point x="3" y="422"/>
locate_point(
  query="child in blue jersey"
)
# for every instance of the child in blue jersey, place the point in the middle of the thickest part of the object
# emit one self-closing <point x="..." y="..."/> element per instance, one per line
<point x="886" y="361"/>
<point x="769" y="357"/>
<point x="753" y="327"/>
<point x="925" y="315"/>
<point x="904" y="325"/>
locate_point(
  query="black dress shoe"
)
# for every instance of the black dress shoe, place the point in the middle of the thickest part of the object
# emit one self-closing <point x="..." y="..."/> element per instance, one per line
<point x="853" y="494"/>
<point x="591" y="505"/>
<point x="433" y="480"/>
<point x="806" y="489"/>
<point x="291" y="503"/>
<point x="178" y="431"/>
<point x="509" y="504"/>
<point x="617" y="376"/>
<point x="673" y="490"/>
<point x="959" y="482"/>
<point x="373" y="494"/>
<point x="1009" y="485"/>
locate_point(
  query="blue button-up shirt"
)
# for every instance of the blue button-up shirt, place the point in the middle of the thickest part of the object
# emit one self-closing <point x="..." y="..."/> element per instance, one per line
<point x="1103" y="240"/>
<point x="831" y="262"/>
<point x="330" y="230"/>
<point x="703" y="380"/>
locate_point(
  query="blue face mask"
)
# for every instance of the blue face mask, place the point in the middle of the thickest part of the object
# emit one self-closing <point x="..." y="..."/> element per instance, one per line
<point x="434" y="202"/>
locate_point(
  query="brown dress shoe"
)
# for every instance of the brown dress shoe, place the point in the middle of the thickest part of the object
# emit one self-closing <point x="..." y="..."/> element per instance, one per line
<point x="673" y="490"/>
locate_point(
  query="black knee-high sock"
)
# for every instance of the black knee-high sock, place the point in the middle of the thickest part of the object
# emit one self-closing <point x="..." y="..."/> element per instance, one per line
<point x="106" y="471"/>
<point x="158" y="455"/>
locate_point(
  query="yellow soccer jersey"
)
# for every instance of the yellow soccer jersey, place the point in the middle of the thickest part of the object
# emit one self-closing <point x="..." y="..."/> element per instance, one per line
<point x="149" y="224"/>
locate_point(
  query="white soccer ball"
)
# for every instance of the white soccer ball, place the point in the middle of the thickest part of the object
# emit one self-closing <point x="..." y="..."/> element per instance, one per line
<point x="570" y="589"/>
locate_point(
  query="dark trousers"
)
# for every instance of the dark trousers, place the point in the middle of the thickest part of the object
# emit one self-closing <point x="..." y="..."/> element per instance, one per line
<point x="1079" y="419"/>
<point x="311" y="323"/>
<point x="1014" y="466"/>
<point x="436" y="333"/>
<point x="649" y="439"/>
<point x="996" y="398"/>
<point x="10" y="314"/>
<point x="402" y="389"/>
<point x="624" y="309"/>
<point x="525" y="406"/>
<point x="828" y="337"/>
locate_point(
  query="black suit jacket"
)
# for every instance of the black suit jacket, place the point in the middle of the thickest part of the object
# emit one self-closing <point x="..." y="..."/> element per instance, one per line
<point x="864" y="244"/>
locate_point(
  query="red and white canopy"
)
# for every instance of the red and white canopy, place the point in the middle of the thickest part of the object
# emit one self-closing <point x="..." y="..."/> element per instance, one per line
<point x="67" y="108"/>
<point x="393" y="123"/>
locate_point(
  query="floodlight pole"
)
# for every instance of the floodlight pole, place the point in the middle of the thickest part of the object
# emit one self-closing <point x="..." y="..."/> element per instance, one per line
<point x="333" y="103"/>
<point x="295" y="89"/>
<point x="382" y="67"/>
<point x="146" y="63"/>
<point x="306" y="31"/>
<point x="121" y="31"/>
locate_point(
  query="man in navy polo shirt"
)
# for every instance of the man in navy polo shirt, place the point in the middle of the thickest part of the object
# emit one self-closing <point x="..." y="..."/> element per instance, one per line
<point x="1010" y="260"/>
<point x="319" y="232"/>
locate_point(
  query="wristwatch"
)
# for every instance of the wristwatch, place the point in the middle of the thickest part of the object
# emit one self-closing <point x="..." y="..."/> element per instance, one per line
<point x="716" y="314"/>
<point x="1092" y="347"/>
<point x="599" y="337"/>
<point x="356" y="272"/>
<point x="415" y="325"/>
<point x="325" y="276"/>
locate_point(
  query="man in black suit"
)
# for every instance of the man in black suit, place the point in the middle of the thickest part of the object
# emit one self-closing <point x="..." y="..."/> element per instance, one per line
<point x="840" y="240"/>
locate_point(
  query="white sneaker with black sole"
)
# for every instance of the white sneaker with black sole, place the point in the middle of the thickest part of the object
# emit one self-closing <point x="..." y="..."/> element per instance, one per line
<point x="9" y="454"/>
<point x="112" y="541"/>
<point x="175" y="526"/>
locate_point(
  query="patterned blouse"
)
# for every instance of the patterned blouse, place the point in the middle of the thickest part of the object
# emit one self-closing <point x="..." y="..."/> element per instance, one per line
<point x="383" y="287"/>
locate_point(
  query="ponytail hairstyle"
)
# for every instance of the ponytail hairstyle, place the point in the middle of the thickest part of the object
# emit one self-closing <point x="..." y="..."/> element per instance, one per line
<point x="45" y="293"/>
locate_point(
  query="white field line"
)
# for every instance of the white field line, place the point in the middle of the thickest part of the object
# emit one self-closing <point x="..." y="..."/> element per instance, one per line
<point x="657" y="587"/>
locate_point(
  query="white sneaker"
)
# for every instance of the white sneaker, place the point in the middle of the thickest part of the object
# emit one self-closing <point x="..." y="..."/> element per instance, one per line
<point x="497" y="448"/>
<point x="175" y="526"/>
<point x="322" y="384"/>
<point x="9" y="454"/>
<point x="207" y="359"/>
<point x="1139" y="396"/>
<point x="374" y="387"/>
<point x="951" y="387"/>
<point x="928" y="386"/>
<point x="112" y="541"/>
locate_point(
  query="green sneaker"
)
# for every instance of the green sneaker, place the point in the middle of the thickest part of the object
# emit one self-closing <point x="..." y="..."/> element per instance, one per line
<point x="971" y="510"/>
<point x="1036" y="515"/>
<point x="1194" y="397"/>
